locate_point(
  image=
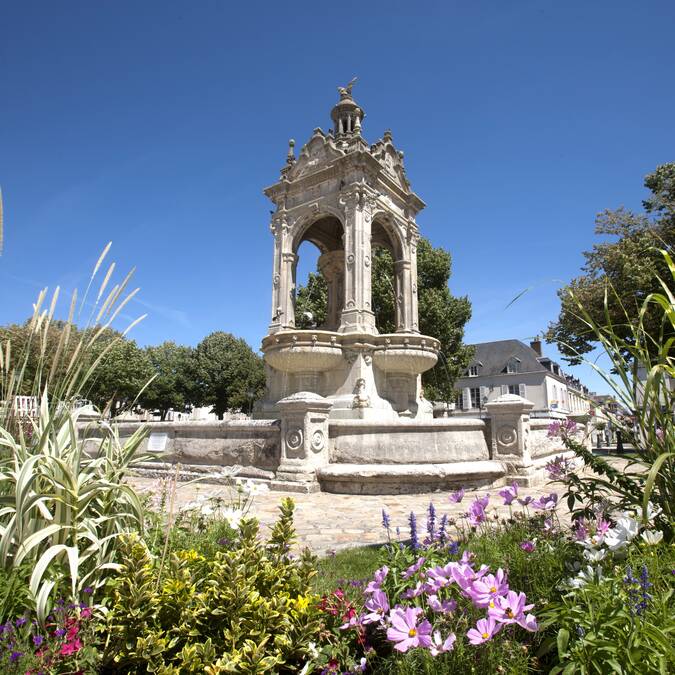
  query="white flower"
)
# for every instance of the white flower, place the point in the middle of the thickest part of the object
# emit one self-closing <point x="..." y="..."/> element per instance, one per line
<point x="254" y="489"/>
<point x="593" y="555"/>
<point x="652" y="511"/>
<point x="314" y="652"/>
<point x="233" y="517"/>
<point x="206" y="510"/>
<point x="652" y="538"/>
<point x="622" y="533"/>
<point x="584" y="576"/>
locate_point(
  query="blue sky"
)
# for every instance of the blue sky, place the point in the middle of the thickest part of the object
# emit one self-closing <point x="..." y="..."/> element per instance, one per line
<point x="157" y="124"/>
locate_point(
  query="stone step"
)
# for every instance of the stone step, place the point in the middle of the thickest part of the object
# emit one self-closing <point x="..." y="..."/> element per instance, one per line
<point x="387" y="479"/>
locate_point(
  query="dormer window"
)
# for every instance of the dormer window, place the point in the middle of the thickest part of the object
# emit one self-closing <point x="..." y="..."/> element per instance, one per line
<point x="473" y="371"/>
<point x="513" y="365"/>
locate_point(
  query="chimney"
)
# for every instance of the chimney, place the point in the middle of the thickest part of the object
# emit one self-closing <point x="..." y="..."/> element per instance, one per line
<point x="536" y="345"/>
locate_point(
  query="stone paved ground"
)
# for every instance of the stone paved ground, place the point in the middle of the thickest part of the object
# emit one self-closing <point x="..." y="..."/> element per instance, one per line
<point x="327" y="522"/>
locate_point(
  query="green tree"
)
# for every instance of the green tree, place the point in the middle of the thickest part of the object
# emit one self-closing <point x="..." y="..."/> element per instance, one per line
<point x="441" y="314"/>
<point x="623" y="270"/>
<point x="23" y="340"/>
<point x="228" y="373"/>
<point x="173" y="383"/>
<point x="121" y="376"/>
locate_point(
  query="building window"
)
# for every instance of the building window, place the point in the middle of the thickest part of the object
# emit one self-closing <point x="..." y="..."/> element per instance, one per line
<point x="475" y="397"/>
<point x="473" y="371"/>
<point x="513" y="389"/>
<point x="513" y="366"/>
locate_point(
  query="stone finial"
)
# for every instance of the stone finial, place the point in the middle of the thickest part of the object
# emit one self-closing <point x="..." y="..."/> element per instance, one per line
<point x="290" y="157"/>
<point x="346" y="92"/>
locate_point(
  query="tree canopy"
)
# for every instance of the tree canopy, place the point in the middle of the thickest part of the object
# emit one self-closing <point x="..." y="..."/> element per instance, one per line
<point x="228" y="373"/>
<point x="173" y="384"/>
<point x="621" y="272"/>
<point x="441" y="314"/>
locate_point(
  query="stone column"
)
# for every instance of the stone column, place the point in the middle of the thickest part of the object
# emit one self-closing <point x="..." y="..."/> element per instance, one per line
<point x="403" y="292"/>
<point x="304" y="440"/>
<point x="283" y="285"/>
<point x="357" y="314"/>
<point x="510" y="428"/>
<point x="332" y="267"/>
<point x="414" y="311"/>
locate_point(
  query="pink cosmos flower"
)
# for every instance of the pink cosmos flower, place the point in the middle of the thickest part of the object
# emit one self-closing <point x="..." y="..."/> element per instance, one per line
<point x="511" y="608"/>
<point x="440" y="577"/>
<point x="441" y="606"/>
<point x="414" y="592"/>
<point x="377" y="580"/>
<point x="546" y="502"/>
<point x="602" y="526"/>
<point x="439" y="646"/>
<point x="483" y="501"/>
<point x="476" y="514"/>
<point x="509" y="493"/>
<point x="405" y="631"/>
<point x="485" y="629"/>
<point x="484" y="592"/>
<point x="377" y="606"/>
<point x="528" y="546"/>
<point x="457" y="497"/>
<point x="413" y="569"/>
<point x="525" y="501"/>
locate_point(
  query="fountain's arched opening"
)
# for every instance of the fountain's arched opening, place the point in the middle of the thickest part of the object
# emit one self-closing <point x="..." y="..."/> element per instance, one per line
<point x="319" y="274"/>
<point x="386" y="293"/>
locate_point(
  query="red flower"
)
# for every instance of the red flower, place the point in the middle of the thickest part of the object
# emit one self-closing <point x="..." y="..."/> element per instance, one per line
<point x="71" y="647"/>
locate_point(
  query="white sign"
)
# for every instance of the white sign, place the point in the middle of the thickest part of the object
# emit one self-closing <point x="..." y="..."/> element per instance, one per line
<point x="157" y="442"/>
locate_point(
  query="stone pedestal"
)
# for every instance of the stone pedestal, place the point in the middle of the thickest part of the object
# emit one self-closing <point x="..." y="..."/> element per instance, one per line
<point x="304" y="440"/>
<point x="510" y="428"/>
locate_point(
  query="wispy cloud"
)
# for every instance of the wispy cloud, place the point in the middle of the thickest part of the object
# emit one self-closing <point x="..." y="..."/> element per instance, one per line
<point x="171" y="313"/>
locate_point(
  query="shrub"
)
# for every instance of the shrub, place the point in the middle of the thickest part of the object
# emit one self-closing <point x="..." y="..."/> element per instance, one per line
<point x="249" y="609"/>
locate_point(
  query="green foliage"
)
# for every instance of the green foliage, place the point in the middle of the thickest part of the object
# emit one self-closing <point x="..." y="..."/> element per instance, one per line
<point x="61" y="508"/>
<point x="121" y="376"/>
<point x="173" y="383"/>
<point x="631" y="266"/>
<point x="441" y="314"/>
<point x="249" y="609"/>
<point x="644" y="369"/>
<point x="352" y="564"/>
<point x="228" y="374"/>
<point x="602" y="627"/>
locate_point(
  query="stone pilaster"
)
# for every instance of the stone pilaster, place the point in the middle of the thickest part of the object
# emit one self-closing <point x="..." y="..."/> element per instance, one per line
<point x="357" y="314"/>
<point x="332" y="267"/>
<point x="510" y="429"/>
<point x="283" y="282"/>
<point x="304" y="440"/>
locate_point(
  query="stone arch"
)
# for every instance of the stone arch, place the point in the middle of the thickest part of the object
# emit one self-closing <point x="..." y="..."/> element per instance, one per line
<point x="387" y="235"/>
<point x="326" y="232"/>
<point x="316" y="227"/>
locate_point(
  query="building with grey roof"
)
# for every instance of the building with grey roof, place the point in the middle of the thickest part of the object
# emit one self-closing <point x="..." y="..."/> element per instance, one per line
<point x="512" y="367"/>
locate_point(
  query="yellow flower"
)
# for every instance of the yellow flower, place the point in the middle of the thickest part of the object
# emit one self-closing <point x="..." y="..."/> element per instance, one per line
<point x="302" y="603"/>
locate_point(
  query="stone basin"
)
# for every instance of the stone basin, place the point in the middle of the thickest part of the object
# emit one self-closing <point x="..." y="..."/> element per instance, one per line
<point x="405" y="360"/>
<point x="302" y="351"/>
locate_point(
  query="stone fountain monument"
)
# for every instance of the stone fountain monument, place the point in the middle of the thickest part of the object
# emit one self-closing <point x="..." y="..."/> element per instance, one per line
<point x="353" y="416"/>
<point x="347" y="197"/>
